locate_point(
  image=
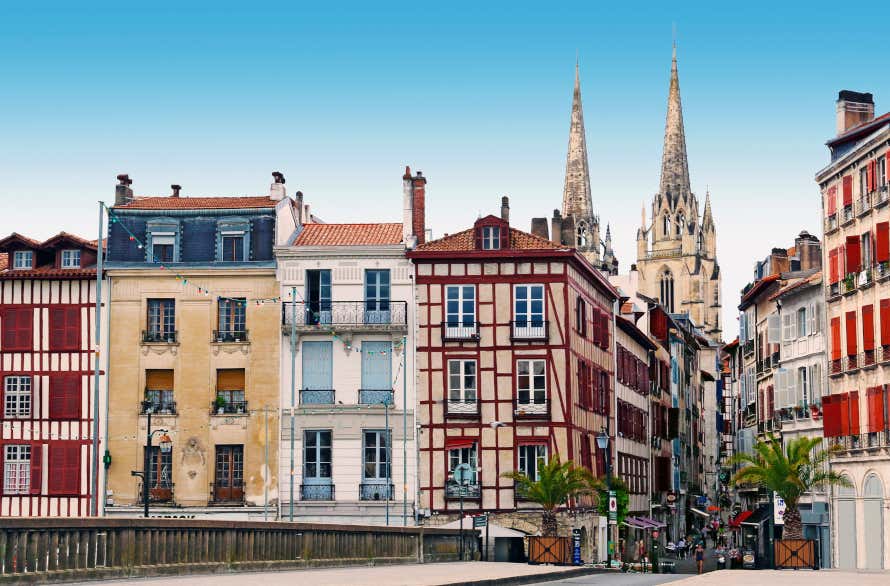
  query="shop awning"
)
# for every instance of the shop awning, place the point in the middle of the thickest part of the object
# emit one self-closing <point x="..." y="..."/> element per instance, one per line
<point x="453" y="443"/>
<point x="737" y="520"/>
<point x="700" y="512"/>
<point x="757" y="517"/>
<point x="652" y="522"/>
<point x="636" y="523"/>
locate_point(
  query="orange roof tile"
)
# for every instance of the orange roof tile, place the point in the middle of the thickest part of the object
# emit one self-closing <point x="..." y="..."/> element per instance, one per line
<point x="48" y="272"/>
<point x="349" y="234"/>
<point x="195" y="203"/>
<point x="466" y="241"/>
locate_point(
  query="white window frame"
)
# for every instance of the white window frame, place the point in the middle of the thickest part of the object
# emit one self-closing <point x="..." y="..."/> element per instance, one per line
<point x="16" y="469"/>
<point x="17" y="396"/>
<point x="800" y="319"/>
<point x="803" y="382"/>
<point x="789" y="327"/>
<point x="457" y="456"/>
<point x="534" y="371"/>
<point x="537" y="452"/>
<point x="534" y="321"/>
<point x="461" y="397"/>
<point x="71" y="259"/>
<point x="458" y="328"/>
<point x="491" y="237"/>
<point x="23" y="260"/>
<point x="774" y="329"/>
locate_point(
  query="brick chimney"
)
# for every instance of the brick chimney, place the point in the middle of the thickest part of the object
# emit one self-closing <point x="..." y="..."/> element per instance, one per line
<point x="540" y="228"/>
<point x="556" y="227"/>
<point x="853" y="109"/>
<point x="176" y="189"/>
<point x="414" y="208"/>
<point x="123" y="194"/>
<point x="277" y="190"/>
<point x="809" y="250"/>
<point x="505" y="209"/>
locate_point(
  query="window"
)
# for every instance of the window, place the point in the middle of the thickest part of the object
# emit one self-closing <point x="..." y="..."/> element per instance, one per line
<point x="17" y="469"/>
<point x="582" y="235"/>
<point x="232" y="246"/>
<point x="528" y="312"/>
<point x="228" y="483"/>
<point x="491" y="238"/>
<point x="666" y="225"/>
<point x="681" y="224"/>
<point x="882" y="171"/>
<point x="699" y="242"/>
<point x="863" y="181"/>
<point x="160" y="474"/>
<point x="16" y="397"/>
<point x="317" y="466"/>
<point x="377" y="380"/>
<point x="230" y="390"/>
<point x="462" y="386"/>
<point x="801" y="322"/>
<point x="23" y="259"/>
<point x="161" y="321"/>
<point x="65" y="396"/>
<point x="531" y="386"/>
<point x="232" y="319"/>
<point x="159" y="391"/>
<point x="318" y="297"/>
<point x="162" y="247"/>
<point x="803" y="394"/>
<point x="460" y="311"/>
<point x="581" y="316"/>
<point x="64" y="328"/>
<point x="529" y="459"/>
<point x="64" y="468"/>
<point x="377" y="297"/>
<point x="18" y="324"/>
<point x="463" y="455"/>
<point x="666" y="281"/>
<point x="376" y="455"/>
<point x="70" y="259"/>
<point x="866" y="247"/>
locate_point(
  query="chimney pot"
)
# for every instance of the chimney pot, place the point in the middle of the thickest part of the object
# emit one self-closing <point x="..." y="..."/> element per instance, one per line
<point x="123" y="194"/>
<point x="278" y="177"/>
<point x="176" y="189"/>
<point x="505" y="209"/>
<point x="853" y="109"/>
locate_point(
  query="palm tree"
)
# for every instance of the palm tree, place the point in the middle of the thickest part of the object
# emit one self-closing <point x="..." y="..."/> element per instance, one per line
<point x="790" y="473"/>
<point x="557" y="482"/>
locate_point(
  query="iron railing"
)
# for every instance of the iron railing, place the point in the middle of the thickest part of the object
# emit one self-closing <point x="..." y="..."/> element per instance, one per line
<point x="852" y="363"/>
<point x="317" y="492"/>
<point x="228" y="336"/>
<point x="159" y="337"/>
<point x="317" y="396"/>
<point x="868" y="440"/>
<point x="748" y="347"/>
<point x="867" y="358"/>
<point x="228" y="408"/>
<point x="372" y="313"/>
<point x="836" y="367"/>
<point x="461" y="408"/>
<point x="529" y="330"/>
<point x="881" y="196"/>
<point x="453" y="490"/>
<point x="862" y="205"/>
<point x="157" y="407"/>
<point x="847" y="214"/>
<point x="375" y="396"/>
<point x="531" y="408"/>
<point x="460" y="332"/>
<point x="831" y="223"/>
<point x="374" y="490"/>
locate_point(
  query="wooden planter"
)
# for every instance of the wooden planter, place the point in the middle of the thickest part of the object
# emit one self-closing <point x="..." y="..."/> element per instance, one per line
<point x="549" y="550"/>
<point x="796" y="553"/>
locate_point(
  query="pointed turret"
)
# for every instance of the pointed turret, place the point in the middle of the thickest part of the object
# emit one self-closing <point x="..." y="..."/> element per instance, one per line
<point x="707" y="221"/>
<point x="576" y="200"/>
<point x="674" y="166"/>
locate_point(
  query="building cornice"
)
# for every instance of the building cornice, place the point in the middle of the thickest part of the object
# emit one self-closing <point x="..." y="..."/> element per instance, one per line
<point x="283" y="253"/>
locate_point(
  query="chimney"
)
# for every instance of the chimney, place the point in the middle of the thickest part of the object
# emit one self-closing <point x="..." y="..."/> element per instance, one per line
<point x="277" y="190"/>
<point x="176" y="189"/>
<point x="809" y="251"/>
<point x="556" y="227"/>
<point x="853" y="109"/>
<point x="123" y="194"/>
<point x="413" y="208"/>
<point x="539" y="228"/>
<point x="505" y="209"/>
<point x="299" y="206"/>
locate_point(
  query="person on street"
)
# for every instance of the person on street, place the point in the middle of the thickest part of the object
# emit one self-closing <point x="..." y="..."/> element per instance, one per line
<point x="681" y="548"/>
<point x="700" y="557"/>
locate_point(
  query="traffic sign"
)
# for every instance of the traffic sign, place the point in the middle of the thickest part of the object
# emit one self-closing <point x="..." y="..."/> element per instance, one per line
<point x="613" y="506"/>
<point x="480" y="521"/>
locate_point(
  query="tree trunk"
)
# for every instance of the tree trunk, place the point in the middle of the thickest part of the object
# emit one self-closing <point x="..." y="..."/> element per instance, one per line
<point x="548" y="524"/>
<point x="793" y="527"/>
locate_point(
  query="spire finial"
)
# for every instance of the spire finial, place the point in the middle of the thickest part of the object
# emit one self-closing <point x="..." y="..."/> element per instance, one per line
<point x="576" y="199"/>
<point x="674" y="166"/>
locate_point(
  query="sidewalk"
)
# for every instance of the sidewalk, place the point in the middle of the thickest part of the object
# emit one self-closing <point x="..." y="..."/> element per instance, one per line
<point x="789" y="578"/>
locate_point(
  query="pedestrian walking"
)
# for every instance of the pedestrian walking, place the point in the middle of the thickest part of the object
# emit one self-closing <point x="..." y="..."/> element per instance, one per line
<point x="700" y="558"/>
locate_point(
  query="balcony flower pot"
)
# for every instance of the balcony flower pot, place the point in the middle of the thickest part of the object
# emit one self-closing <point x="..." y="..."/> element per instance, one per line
<point x="220" y="404"/>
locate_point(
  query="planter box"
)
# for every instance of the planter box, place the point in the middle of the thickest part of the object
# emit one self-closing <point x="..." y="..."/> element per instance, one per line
<point x="796" y="553"/>
<point x="549" y="550"/>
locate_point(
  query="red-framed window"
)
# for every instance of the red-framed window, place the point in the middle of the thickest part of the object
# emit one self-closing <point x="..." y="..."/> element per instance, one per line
<point x="18" y="328"/>
<point x="22" y="468"/>
<point x="64" y="328"/>
<point x="65" y="394"/>
<point x="64" y="468"/>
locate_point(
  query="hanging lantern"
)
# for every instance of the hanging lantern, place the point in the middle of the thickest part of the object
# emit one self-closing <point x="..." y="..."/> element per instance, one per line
<point x="165" y="444"/>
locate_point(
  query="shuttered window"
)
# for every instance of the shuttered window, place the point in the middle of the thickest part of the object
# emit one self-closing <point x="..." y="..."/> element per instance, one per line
<point x="848" y="190"/>
<point x="831" y="198"/>
<point x="64" y="468"/>
<point x="18" y="326"/>
<point x="835" y="338"/>
<point x="230" y="379"/>
<point x="833" y="273"/>
<point x="851" y="333"/>
<point x="868" y="327"/>
<point x="65" y="396"/>
<point x="854" y="258"/>
<point x="882" y="242"/>
<point x="854" y="412"/>
<point x="159" y="380"/>
<point x="831" y="416"/>
<point x="885" y="322"/>
<point x="874" y="398"/>
<point x="64" y="328"/>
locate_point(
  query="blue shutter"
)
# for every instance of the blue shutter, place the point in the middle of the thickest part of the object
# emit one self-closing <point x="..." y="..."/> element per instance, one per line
<point x="318" y="365"/>
<point x="377" y="366"/>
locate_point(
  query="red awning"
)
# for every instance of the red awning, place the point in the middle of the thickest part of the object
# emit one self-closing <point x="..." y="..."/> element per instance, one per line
<point x="453" y="443"/>
<point x="739" y="518"/>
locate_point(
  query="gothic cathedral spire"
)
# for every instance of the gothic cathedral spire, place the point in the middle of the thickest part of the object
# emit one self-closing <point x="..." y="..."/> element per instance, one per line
<point x="674" y="166"/>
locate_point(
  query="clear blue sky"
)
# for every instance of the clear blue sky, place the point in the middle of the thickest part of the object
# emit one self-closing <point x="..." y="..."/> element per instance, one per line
<point x="340" y="96"/>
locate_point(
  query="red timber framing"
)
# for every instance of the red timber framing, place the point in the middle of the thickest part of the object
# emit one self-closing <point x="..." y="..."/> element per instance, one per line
<point x="46" y="404"/>
<point x="510" y="420"/>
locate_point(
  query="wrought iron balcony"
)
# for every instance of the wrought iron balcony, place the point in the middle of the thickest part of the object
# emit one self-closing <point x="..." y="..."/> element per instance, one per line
<point x="464" y="408"/>
<point x="229" y="336"/>
<point x="836" y="367"/>
<point x="867" y="358"/>
<point x="847" y="216"/>
<point x="375" y="396"/>
<point x="882" y="270"/>
<point x="852" y="363"/>
<point x="353" y="315"/>
<point x="228" y="408"/>
<point x="157" y="407"/>
<point x="317" y="492"/>
<point x="531" y="409"/>
<point x="831" y="223"/>
<point x="748" y="347"/>
<point x="863" y="205"/>
<point x="453" y="490"/>
<point x="375" y="490"/>
<point x="881" y="196"/>
<point x="862" y="441"/>
<point x="159" y="337"/>
<point x="529" y="331"/>
<point x="317" y="396"/>
<point x="460" y="331"/>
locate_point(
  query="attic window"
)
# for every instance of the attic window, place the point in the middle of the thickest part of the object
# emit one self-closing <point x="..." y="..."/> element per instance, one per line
<point x="23" y="259"/>
<point x="491" y="238"/>
<point x="70" y="259"/>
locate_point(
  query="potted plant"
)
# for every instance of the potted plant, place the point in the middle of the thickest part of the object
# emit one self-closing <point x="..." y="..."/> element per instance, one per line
<point x="220" y="404"/>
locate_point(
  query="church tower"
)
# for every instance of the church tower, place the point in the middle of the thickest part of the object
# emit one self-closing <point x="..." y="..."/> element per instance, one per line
<point x="677" y="250"/>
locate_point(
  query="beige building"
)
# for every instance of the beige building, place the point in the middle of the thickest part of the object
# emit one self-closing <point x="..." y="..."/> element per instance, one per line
<point x="194" y="341"/>
<point x="677" y="249"/>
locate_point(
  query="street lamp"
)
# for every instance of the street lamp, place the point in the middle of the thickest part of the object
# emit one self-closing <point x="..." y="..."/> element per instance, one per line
<point x="165" y="445"/>
<point x="602" y="443"/>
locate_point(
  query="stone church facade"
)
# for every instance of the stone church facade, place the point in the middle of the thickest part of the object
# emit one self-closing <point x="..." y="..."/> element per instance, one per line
<point x="677" y="249"/>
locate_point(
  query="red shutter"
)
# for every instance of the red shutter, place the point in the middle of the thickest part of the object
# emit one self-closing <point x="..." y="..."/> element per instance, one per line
<point x="851" y="333"/>
<point x="832" y="266"/>
<point x="876" y="418"/>
<point x="832" y="201"/>
<point x="595" y="325"/>
<point x="36" y="468"/>
<point x="854" y="257"/>
<point x="605" y="329"/>
<point x="848" y="190"/>
<point x="56" y="328"/>
<point x="835" y="338"/>
<point x="868" y="327"/>
<point x="870" y="176"/>
<point x="65" y="396"/>
<point x="882" y="241"/>
<point x="854" y="412"/>
<point x="18" y="324"/>
<point x="885" y="322"/>
<point x="72" y="328"/>
<point x="10" y="319"/>
<point x="64" y="468"/>
<point x="829" y="416"/>
<point x="844" y="411"/>
<point x="771" y="407"/>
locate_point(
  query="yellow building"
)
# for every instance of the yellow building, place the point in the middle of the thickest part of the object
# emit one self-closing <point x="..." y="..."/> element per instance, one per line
<point x="194" y="347"/>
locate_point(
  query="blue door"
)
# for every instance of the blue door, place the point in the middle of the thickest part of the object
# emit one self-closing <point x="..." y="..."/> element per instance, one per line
<point x="376" y="372"/>
<point x="318" y="383"/>
<point x="377" y="296"/>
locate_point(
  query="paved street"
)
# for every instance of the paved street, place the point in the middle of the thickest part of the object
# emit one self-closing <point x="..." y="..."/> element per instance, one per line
<point x="741" y="578"/>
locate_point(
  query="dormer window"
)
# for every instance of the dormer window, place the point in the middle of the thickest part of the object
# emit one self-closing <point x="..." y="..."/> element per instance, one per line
<point x="232" y="246"/>
<point x="491" y="238"/>
<point x="162" y="247"/>
<point x="70" y="259"/>
<point x="233" y="240"/>
<point x="23" y="260"/>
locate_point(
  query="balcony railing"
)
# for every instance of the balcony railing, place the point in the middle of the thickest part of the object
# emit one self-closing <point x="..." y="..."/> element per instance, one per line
<point x="863" y="205"/>
<point x="375" y="490"/>
<point x="862" y="441"/>
<point x="528" y="331"/>
<point x="531" y="409"/>
<point x="461" y="408"/>
<point x="831" y="223"/>
<point x="229" y="336"/>
<point x="375" y="396"/>
<point x="867" y="358"/>
<point x="454" y="490"/>
<point x="834" y="290"/>
<point x="748" y="347"/>
<point x="852" y="363"/>
<point x="159" y="337"/>
<point x="836" y="367"/>
<point x="882" y="270"/>
<point x="228" y="408"/>
<point x="158" y="408"/>
<point x="669" y="253"/>
<point x="317" y="396"/>
<point x="460" y="331"/>
<point x="317" y="492"/>
<point x="376" y="314"/>
<point x="847" y="214"/>
<point x="161" y="493"/>
<point x="881" y="196"/>
<point x="227" y="493"/>
<point x="883" y="354"/>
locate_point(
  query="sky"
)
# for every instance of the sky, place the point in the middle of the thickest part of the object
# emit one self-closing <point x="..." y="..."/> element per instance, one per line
<point x="341" y="96"/>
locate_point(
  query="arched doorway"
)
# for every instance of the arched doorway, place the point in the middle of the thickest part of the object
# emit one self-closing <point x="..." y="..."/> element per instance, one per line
<point x="845" y="505"/>
<point x="872" y="510"/>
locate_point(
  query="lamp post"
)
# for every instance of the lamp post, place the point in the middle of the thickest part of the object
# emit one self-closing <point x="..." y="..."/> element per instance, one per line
<point x="165" y="445"/>
<point x="602" y="443"/>
<point x="461" y="478"/>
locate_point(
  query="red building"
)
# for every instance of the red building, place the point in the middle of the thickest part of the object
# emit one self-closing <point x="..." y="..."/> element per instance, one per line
<point x="47" y="313"/>
<point x="515" y="351"/>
